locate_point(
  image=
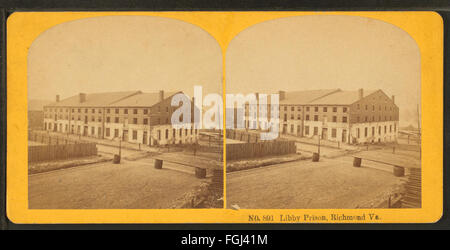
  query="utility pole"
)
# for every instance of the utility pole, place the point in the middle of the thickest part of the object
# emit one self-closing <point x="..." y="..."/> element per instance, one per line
<point x="420" y="132"/>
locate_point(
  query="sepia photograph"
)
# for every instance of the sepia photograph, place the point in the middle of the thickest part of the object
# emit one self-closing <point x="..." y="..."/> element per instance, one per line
<point x="341" y="97"/>
<point x="102" y="96"/>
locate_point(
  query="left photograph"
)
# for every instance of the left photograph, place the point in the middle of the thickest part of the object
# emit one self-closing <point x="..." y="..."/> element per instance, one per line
<point x="114" y="115"/>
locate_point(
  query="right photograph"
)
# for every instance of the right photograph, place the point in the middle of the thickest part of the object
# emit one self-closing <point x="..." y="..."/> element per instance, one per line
<point x="323" y="112"/>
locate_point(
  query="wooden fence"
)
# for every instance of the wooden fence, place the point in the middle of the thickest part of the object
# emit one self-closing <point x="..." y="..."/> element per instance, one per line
<point x="259" y="149"/>
<point x="52" y="139"/>
<point x="61" y="151"/>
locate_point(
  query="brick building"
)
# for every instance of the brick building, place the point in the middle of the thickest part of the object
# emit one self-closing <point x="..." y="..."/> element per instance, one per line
<point x="130" y="116"/>
<point x="343" y="116"/>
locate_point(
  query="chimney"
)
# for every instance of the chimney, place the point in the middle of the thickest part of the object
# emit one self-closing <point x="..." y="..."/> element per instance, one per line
<point x="57" y="98"/>
<point x="393" y="98"/>
<point x="161" y="95"/>
<point x="82" y="97"/>
<point x="282" y="94"/>
<point x="360" y="94"/>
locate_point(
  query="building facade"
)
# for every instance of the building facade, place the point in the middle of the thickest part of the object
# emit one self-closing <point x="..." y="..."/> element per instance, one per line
<point x="335" y="115"/>
<point x="135" y="117"/>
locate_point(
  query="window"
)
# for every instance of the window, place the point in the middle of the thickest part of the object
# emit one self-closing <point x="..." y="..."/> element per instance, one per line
<point x="99" y="131"/>
<point x="93" y="119"/>
<point x="292" y="108"/>
<point x="159" y="134"/>
<point x="145" y="111"/>
<point x="333" y="133"/>
<point x="373" y="131"/>
<point x="379" y="130"/>
<point x="117" y="111"/>
<point x="334" y="109"/>
<point x="316" y="118"/>
<point x="135" y="121"/>
<point x="307" y="108"/>
<point x="108" y="111"/>
<point x="299" y="117"/>
<point x="135" y="111"/>
<point x="292" y="116"/>
<point x="357" y="132"/>
<point x="167" y="134"/>
<point x="86" y="111"/>
<point x="365" y="132"/>
<point x="316" y="109"/>
<point x="107" y="132"/>
<point x="307" y="117"/>
<point x="134" y="134"/>
<point x="299" y="109"/>
<point x="344" y="119"/>
<point x="285" y="117"/>
<point x="306" y="130"/>
<point x="285" y="108"/>
<point x="145" y="121"/>
<point x="116" y="119"/>
<point x="125" y="111"/>
<point x="385" y="129"/>
<point x="390" y="128"/>
<point x="344" y="109"/>
<point x="92" y="130"/>
<point x="325" y="109"/>
<point x="93" y="111"/>
<point x="334" y="118"/>
<point x="373" y="107"/>
<point x="316" y="130"/>
<point x="108" y="119"/>
<point x="292" y="128"/>
<point x="79" y="110"/>
<point x="116" y="132"/>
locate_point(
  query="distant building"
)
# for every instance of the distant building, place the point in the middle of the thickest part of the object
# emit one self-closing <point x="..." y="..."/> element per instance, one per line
<point x="130" y="116"/>
<point x="343" y="116"/>
<point x="36" y="114"/>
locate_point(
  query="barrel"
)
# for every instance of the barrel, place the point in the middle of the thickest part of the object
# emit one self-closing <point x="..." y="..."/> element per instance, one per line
<point x="158" y="164"/>
<point x="200" y="172"/>
<point x="399" y="171"/>
<point x="116" y="159"/>
<point x="315" y="157"/>
<point x="356" y="162"/>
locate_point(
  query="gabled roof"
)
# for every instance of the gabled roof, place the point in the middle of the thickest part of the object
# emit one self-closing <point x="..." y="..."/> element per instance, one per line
<point x="306" y="96"/>
<point x="94" y="99"/>
<point x="343" y="97"/>
<point x="142" y="100"/>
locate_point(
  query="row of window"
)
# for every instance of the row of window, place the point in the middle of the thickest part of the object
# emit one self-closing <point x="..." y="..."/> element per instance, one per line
<point x="366" y="107"/>
<point x="358" y="134"/>
<point x="116" y="120"/>
<point x="52" y="126"/>
<point x="108" y="111"/>
<point x="316" y="118"/>
<point x="316" y="109"/>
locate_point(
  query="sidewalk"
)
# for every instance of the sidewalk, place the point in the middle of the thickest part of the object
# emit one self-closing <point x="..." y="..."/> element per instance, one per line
<point x="323" y="143"/>
<point x="106" y="142"/>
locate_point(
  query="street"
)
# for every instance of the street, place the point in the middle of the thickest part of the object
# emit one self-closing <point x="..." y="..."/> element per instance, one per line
<point x="131" y="184"/>
<point x="330" y="183"/>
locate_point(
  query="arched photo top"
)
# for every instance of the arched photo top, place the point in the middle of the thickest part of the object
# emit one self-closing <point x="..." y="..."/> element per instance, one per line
<point x="119" y="53"/>
<point x="316" y="52"/>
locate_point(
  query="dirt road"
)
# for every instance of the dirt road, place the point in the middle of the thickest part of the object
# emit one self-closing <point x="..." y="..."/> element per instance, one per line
<point x="330" y="183"/>
<point x="132" y="184"/>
